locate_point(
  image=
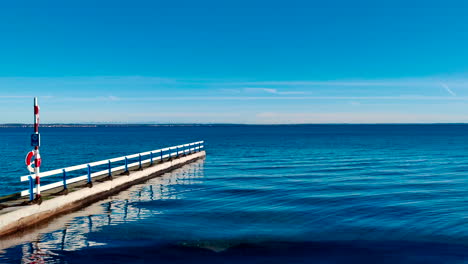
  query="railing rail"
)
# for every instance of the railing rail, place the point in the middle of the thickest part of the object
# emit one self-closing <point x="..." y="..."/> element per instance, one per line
<point x="158" y="154"/>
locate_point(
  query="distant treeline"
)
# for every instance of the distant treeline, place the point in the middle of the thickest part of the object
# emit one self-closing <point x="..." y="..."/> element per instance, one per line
<point x="105" y="125"/>
<point x="13" y="125"/>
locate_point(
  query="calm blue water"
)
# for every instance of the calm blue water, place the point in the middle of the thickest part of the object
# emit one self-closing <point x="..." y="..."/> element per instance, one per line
<point x="264" y="194"/>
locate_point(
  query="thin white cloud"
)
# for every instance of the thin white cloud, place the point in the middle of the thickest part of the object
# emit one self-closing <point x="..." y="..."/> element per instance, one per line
<point x="24" y="96"/>
<point x="354" y="118"/>
<point x="91" y="99"/>
<point x="323" y="83"/>
<point x="448" y="89"/>
<point x="271" y="91"/>
<point x="458" y="81"/>
<point x="183" y="114"/>
<point x="230" y="90"/>
<point x="113" y="98"/>
<point x="252" y="98"/>
<point x="88" y="80"/>
<point x="396" y="82"/>
<point x="154" y="80"/>
<point x="14" y="96"/>
<point x="259" y="90"/>
<point x="266" y="90"/>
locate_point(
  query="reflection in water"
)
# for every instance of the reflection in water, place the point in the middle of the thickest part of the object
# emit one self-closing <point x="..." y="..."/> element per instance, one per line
<point x="385" y="193"/>
<point x="113" y="211"/>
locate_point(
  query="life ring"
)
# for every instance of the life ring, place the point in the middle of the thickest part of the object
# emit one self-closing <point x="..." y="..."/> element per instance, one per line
<point x="29" y="160"/>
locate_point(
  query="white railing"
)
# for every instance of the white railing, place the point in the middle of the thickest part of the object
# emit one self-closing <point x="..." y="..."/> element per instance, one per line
<point x="155" y="155"/>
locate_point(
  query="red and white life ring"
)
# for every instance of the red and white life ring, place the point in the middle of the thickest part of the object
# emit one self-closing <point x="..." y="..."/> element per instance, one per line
<point x="30" y="160"/>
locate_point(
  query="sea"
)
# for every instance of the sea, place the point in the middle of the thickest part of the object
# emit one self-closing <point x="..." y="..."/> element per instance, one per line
<point x="263" y="194"/>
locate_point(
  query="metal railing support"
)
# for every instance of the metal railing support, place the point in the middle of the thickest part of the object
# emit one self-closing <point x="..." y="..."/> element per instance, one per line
<point x="126" y="172"/>
<point x="64" y="176"/>
<point x="110" y="169"/>
<point x="90" y="182"/>
<point x="151" y="158"/>
<point x="139" y="161"/>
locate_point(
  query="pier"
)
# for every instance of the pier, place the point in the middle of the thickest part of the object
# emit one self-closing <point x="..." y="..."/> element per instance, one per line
<point x="93" y="181"/>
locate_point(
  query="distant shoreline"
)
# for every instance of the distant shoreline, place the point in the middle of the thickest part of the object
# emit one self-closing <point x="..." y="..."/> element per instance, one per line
<point x="212" y="125"/>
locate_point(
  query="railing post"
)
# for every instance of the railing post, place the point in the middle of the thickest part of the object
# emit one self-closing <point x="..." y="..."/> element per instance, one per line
<point x="31" y="188"/>
<point x="161" y="155"/>
<point x="126" y="164"/>
<point x="110" y="169"/>
<point x="139" y="157"/>
<point x="177" y="151"/>
<point x="90" y="183"/>
<point x="151" y="158"/>
<point x="64" y="175"/>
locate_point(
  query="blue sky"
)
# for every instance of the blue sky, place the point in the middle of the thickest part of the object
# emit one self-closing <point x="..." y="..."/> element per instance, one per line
<point x="235" y="61"/>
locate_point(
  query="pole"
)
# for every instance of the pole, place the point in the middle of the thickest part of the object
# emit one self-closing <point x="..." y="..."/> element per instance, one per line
<point x="36" y="150"/>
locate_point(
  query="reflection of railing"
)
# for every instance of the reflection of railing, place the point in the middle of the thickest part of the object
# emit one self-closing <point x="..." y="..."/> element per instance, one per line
<point x="71" y="232"/>
<point x="158" y="155"/>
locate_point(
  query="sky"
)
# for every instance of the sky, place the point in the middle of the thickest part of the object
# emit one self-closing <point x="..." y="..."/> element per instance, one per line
<point x="254" y="62"/>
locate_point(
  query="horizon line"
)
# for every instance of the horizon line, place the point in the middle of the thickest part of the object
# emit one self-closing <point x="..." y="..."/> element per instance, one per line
<point x="240" y="124"/>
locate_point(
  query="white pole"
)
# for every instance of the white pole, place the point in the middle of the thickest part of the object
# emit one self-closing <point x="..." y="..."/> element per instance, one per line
<point x="36" y="150"/>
